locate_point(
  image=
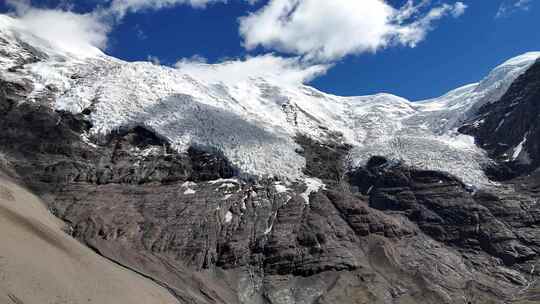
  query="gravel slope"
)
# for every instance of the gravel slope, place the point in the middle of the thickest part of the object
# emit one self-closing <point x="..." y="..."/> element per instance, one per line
<point x="39" y="263"/>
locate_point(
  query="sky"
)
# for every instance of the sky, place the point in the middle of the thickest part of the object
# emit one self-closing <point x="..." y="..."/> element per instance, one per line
<point x="416" y="49"/>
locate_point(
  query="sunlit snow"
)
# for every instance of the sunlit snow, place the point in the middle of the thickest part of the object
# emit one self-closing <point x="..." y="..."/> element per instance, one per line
<point x="254" y="122"/>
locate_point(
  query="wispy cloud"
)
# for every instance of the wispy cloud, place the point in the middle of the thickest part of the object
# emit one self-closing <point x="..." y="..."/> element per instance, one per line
<point x="509" y="7"/>
<point x="141" y="35"/>
<point x="153" y="59"/>
<point x="119" y="8"/>
<point x="278" y="69"/>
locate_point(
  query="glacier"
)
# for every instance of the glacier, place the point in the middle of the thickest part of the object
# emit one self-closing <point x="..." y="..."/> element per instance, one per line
<point x="253" y="122"/>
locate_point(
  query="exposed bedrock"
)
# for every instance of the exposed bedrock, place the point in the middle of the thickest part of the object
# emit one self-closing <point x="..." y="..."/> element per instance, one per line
<point x="509" y="130"/>
<point x="445" y="209"/>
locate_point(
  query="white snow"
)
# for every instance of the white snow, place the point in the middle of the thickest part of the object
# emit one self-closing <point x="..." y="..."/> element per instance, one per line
<point x="188" y="186"/>
<point x="224" y="181"/>
<point x="519" y="148"/>
<point x="254" y="122"/>
<point x="281" y="188"/>
<point x="228" y="217"/>
<point x="369" y="189"/>
<point x="268" y="230"/>
<point x="189" y="191"/>
<point x="227" y="186"/>
<point x="501" y="123"/>
<point x="271" y="226"/>
<point x="288" y="198"/>
<point x="313" y="185"/>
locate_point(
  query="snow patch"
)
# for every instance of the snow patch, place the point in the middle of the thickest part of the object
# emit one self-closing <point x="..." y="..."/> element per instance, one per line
<point x="519" y="148"/>
<point x="188" y="186"/>
<point x="501" y="123"/>
<point x="288" y="198"/>
<point x="189" y="191"/>
<point x="268" y="230"/>
<point x="313" y="185"/>
<point x="281" y="188"/>
<point x="243" y="201"/>
<point x="228" y="217"/>
<point x="227" y="186"/>
<point x="271" y="226"/>
<point x="224" y="180"/>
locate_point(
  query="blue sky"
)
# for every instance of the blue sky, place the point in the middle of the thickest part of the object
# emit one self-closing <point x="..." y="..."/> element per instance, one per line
<point x="456" y="51"/>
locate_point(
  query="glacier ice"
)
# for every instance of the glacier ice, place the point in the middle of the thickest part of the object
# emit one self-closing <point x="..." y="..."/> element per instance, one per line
<point x="254" y="122"/>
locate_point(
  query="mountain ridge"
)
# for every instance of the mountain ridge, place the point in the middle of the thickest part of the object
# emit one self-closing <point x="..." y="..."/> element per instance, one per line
<point x="118" y="95"/>
<point x="263" y="193"/>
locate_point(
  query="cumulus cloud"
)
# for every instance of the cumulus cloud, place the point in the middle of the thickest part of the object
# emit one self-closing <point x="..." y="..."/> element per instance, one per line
<point x="270" y="67"/>
<point x="324" y="30"/>
<point x="509" y="7"/>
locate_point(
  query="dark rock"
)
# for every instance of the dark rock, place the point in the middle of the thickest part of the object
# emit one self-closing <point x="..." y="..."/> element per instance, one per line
<point x="210" y="164"/>
<point x="324" y="160"/>
<point x="443" y="208"/>
<point x="500" y="127"/>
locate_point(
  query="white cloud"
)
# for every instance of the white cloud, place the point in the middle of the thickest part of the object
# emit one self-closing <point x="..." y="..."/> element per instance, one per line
<point x="153" y="59"/>
<point x="119" y="8"/>
<point x="270" y="67"/>
<point x="409" y="10"/>
<point x="459" y="9"/>
<point x="195" y="59"/>
<point x="141" y="35"/>
<point x="314" y="30"/>
<point x="325" y="30"/>
<point x="85" y="34"/>
<point x="79" y="34"/>
<point x="524" y="4"/>
<point x="509" y="7"/>
<point x="412" y="33"/>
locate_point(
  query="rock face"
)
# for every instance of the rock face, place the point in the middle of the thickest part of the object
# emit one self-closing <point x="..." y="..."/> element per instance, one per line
<point x="509" y="129"/>
<point x="447" y="211"/>
<point x="385" y="232"/>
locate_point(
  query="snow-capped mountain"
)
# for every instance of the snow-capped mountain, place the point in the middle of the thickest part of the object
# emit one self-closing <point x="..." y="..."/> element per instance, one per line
<point x="374" y="199"/>
<point x="254" y="123"/>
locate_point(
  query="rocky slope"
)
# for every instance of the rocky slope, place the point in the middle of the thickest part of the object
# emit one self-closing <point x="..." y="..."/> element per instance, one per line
<point x="261" y="193"/>
<point x="39" y="263"/>
<point x="508" y="129"/>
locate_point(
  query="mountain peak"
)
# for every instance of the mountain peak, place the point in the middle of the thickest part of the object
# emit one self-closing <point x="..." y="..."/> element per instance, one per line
<point x="255" y="123"/>
<point x="234" y="184"/>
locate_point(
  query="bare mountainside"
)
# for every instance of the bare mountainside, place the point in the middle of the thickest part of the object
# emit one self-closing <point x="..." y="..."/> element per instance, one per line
<point x="42" y="264"/>
<point x="261" y="192"/>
